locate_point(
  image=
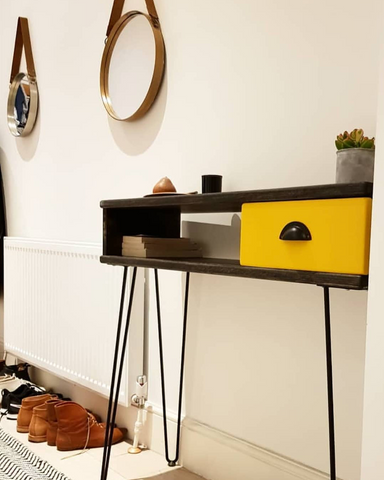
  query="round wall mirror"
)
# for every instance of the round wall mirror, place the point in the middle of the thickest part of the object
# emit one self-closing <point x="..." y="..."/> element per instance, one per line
<point x="23" y="101"/>
<point x="132" y="66"/>
<point x="23" y="97"/>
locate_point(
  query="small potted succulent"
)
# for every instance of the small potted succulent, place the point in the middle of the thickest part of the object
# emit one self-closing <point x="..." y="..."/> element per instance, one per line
<point x="355" y="157"/>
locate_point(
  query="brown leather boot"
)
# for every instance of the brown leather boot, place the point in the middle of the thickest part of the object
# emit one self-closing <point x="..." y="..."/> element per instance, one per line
<point x="78" y="429"/>
<point x="25" y="414"/>
<point x="52" y="422"/>
<point x="39" y="424"/>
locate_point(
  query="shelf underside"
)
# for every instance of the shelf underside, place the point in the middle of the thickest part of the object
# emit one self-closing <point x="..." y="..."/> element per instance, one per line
<point x="232" y="268"/>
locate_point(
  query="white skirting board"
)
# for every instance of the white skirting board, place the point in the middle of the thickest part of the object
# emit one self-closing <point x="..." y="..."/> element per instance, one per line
<point x="219" y="456"/>
<point x="61" y="309"/>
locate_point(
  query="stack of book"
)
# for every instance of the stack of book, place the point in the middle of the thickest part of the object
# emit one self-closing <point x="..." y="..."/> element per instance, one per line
<point x="154" y="247"/>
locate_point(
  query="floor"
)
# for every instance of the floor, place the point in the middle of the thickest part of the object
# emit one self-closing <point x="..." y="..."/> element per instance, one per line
<point x="87" y="466"/>
<point x="179" y="474"/>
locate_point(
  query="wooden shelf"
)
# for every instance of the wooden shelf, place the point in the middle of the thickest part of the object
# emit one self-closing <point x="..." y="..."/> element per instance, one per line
<point x="232" y="268"/>
<point x="161" y="216"/>
<point x="232" y="201"/>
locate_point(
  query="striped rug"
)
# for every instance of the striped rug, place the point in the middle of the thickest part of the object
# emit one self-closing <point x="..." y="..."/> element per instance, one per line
<point x="17" y="462"/>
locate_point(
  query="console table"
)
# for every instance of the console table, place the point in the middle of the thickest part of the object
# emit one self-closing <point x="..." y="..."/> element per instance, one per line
<point x="160" y="216"/>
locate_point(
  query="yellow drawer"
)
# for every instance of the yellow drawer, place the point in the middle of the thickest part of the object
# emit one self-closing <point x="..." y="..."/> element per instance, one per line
<point x="339" y="232"/>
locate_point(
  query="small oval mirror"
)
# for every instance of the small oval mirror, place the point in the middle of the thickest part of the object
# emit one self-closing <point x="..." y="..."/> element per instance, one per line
<point x="22" y="105"/>
<point x="132" y="66"/>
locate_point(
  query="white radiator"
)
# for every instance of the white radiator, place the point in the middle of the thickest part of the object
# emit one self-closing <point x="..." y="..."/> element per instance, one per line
<point x="61" y="309"/>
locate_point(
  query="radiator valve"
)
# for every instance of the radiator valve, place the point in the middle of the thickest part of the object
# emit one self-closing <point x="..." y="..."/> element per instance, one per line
<point x="140" y="397"/>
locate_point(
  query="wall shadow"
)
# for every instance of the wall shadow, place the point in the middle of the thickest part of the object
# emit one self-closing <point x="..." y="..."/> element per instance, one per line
<point x="3" y="232"/>
<point x="27" y="146"/>
<point x="3" y="164"/>
<point x="134" y="138"/>
<point x="221" y="241"/>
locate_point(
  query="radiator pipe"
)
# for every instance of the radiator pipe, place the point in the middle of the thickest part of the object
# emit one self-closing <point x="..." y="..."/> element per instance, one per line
<point x="139" y="400"/>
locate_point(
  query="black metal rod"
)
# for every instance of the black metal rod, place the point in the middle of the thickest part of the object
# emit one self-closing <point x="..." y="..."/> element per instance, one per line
<point x="161" y="364"/>
<point x="182" y="366"/>
<point x="172" y="463"/>
<point x="331" y="416"/>
<point x="120" y="373"/>
<point x="115" y="358"/>
<point x="114" y="393"/>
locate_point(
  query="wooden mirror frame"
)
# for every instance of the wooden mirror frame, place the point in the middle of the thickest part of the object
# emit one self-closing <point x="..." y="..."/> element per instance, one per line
<point x="22" y="40"/>
<point x="117" y="23"/>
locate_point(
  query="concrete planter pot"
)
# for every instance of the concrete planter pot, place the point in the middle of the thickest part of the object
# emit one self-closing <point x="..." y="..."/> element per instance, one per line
<point x="355" y="165"/>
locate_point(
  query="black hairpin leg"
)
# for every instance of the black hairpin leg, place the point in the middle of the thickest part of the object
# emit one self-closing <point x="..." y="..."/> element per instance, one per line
<point x="331" y="418"/>
<point x="172" y="463"/>
<point x="114" y="392"/>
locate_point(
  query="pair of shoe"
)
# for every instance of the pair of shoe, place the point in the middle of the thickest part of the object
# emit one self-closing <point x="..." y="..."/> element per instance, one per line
<point x="64" y="424"/>
<point x="18" y="371"/>
<point x="10" y="382"/>
<point x="13" y="376"/>
<point x="11" y="399"/>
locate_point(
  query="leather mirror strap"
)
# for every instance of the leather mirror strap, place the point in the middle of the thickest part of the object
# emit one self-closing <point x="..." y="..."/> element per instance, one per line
<point x="23" y="38"/>
<point x="17" y="52"/>
<point x="28" y="49"/>
<point x="152" y="10"/>
<point x="117" y="10"/>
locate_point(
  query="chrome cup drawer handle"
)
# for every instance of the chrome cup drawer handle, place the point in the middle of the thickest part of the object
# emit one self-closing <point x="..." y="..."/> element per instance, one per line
<point x="295" y="231"/>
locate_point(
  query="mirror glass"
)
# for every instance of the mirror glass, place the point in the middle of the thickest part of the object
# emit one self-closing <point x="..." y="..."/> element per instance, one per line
<point x="132" y="66"/>
<point x="22" y="104"/>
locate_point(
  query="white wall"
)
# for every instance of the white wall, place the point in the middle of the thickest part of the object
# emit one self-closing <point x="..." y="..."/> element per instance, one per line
<point x="373" y="431"/>
<point x="255" y="91"/>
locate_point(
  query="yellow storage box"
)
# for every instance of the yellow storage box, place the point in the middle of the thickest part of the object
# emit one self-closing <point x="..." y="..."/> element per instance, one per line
<point x="317" y="235"/>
